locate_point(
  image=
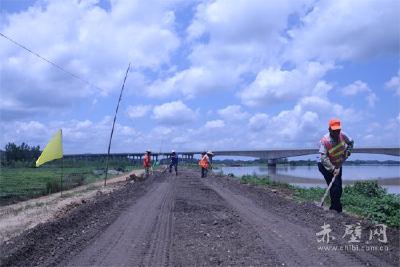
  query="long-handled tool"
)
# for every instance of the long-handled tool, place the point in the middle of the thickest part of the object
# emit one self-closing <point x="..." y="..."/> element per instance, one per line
<point x="327" y="190"/>
<point x="165" y="169"/>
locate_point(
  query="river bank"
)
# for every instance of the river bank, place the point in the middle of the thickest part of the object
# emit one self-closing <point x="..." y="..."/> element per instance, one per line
<point x="309" y="176"/>
<point x="364" y="198"/>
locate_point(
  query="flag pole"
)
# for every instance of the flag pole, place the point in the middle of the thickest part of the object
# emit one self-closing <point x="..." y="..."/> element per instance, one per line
<point x="62" y="173"/>
<point x="62" y="167"/>
<point x="112" y="129"/>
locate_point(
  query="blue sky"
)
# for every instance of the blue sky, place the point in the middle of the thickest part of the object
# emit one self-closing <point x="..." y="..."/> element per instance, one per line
<point x="245" y="74"/>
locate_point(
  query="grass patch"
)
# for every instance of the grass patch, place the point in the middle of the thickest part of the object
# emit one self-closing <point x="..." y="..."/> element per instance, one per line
<point x="364" y="198"/>
<point x="255" y="180"/>
<point x="21" y="183"/>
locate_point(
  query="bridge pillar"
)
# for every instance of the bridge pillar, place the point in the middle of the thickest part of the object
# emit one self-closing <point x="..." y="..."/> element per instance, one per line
<point x="272" y="167"/>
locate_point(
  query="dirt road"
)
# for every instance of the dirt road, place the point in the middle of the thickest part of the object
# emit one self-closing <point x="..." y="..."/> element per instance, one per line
<point x="188" y="221"/>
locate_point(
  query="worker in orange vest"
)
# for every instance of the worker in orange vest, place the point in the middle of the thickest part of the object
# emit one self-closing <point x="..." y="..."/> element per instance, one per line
<point x="204" y="163"/>
<point x="334" y="149"/>
<point x="147" y="162"/>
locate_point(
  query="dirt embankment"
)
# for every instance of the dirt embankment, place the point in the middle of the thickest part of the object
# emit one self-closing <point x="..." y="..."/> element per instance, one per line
<point x="16" y="218"/>
<point x="187" y="221"/>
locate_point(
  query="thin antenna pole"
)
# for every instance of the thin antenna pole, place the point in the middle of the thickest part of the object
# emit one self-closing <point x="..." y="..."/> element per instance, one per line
<point x="62" y="173"/>
<point x="62" y="168"/>
<point x="115" y="117"/>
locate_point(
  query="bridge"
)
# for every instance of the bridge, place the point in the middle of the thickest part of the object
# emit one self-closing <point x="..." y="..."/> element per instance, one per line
<point x="271" y="155"/>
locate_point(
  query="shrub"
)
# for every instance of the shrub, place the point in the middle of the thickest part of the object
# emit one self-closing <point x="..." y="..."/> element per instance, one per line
<point x="369" y="188"/>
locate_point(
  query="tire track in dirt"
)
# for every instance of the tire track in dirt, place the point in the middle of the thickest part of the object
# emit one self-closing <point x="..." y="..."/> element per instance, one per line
<point x="159" y="244"/>
<point x="208" y="232"/>
<point x="296" y="245"/>
<point x="126" y="241"/>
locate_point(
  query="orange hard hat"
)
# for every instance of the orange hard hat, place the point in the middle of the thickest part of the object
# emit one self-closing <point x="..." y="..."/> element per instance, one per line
<point x="334" y="124"/>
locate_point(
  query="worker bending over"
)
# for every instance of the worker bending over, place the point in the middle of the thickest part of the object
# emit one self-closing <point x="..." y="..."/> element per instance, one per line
<point x="335" y="148"/>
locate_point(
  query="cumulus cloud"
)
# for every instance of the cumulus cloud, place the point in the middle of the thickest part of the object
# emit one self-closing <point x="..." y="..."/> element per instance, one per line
<point x="394" y="84"/>
<point x="195" y="81"/>
<point x="238" y="37"/>
<point x="275" y="57"/>
<point x="233" y="113"/>
<point x="301" y="126"/>
<point x="173" y="113"/>
<point x="241" y="32"/>
<point x="79" y="136"/>
<point x="84" y="39"/>
<point x="358" y="87"/>
<point x="273" y="85"/>
<point x="258" y="121"/>
<point x="342" y="30"/>
<point x="214" y="124"/>
<point x="138" y="111"/>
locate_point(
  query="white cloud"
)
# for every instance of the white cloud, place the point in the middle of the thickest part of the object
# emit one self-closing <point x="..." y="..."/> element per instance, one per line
<point x="273" y="85"/>
<point x="241" y="32"/>
<point x="301" y="126"/>
<point x="358" y="87"/>
<point x="342" y="30"/>
<point x="258" y="121"/>
<point x="173" y="113"/>
<point x="138" y="111"/>
<point x="84" y="136"/>
<point x="214" y="124"/>
<point x="195" y="81"/>
<point x="394" y="83"/>
<point x="86" y="40"/>
<point x="238" y="37"/>
<point x="233" y="113"/>
<point x="355" y="88"/>
<point x="273" y="56"/>
<point x="371" y="99"/>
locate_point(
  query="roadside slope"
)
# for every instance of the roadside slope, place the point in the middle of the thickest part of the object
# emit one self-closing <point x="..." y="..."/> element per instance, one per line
<point x="184" y="220"/>
<point x="292" y="228"/>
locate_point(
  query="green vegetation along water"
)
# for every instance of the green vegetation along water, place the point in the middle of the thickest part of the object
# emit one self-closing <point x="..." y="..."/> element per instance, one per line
<point x="364" y="198"/>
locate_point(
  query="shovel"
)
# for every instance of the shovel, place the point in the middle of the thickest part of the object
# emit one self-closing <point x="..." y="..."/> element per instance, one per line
<point x="327" y="190"/>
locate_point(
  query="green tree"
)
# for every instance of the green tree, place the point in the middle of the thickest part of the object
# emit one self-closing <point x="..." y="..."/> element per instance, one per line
<point x="23" y="152"/>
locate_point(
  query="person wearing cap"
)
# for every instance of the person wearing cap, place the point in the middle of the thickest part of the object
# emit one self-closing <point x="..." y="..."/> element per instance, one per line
<point x="335" y="148"/>
<point x="174" y="162"/>
<point x="204" y="162"/>
<point x="147" y="162"/>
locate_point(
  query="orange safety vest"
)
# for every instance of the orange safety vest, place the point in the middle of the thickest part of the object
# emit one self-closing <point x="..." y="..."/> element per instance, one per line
<point x="147" y="161"/>
<point x="336" y="154"/>
<point x="204" y="162"/>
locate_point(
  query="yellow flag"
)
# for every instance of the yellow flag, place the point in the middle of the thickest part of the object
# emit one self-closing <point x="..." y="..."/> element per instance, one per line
<point x="53" y="150"/>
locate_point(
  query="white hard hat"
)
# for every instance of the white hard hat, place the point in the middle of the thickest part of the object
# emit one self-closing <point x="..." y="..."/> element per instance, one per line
<point x="173" y="151"/>
<point x="148" y="150"/>
<point x="210" y="153"/>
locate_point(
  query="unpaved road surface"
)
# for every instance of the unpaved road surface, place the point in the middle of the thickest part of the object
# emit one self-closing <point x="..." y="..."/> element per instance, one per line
<point x="188" y="221"/>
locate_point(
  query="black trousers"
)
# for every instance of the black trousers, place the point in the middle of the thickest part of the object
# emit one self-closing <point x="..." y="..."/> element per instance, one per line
<point x="176" y="168"/>
<point x="203" y="172"/>
<point x="336" y="189"/>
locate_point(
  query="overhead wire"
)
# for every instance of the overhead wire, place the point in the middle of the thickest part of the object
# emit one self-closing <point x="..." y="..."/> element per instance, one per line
<point x="50" y="62"/>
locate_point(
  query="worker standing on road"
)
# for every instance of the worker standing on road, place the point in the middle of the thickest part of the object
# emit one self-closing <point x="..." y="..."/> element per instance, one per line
<point x="204" y="162"/>
<point x="335" y="148"/>
<point x="174" y="162"/>
<point x="147" y="162"/>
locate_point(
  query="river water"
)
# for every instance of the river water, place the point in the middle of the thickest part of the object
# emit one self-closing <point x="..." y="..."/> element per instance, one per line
<point x="309" y="176"/>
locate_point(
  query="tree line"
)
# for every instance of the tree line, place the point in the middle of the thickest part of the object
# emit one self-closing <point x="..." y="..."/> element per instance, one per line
<point x="19" y="153"/>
